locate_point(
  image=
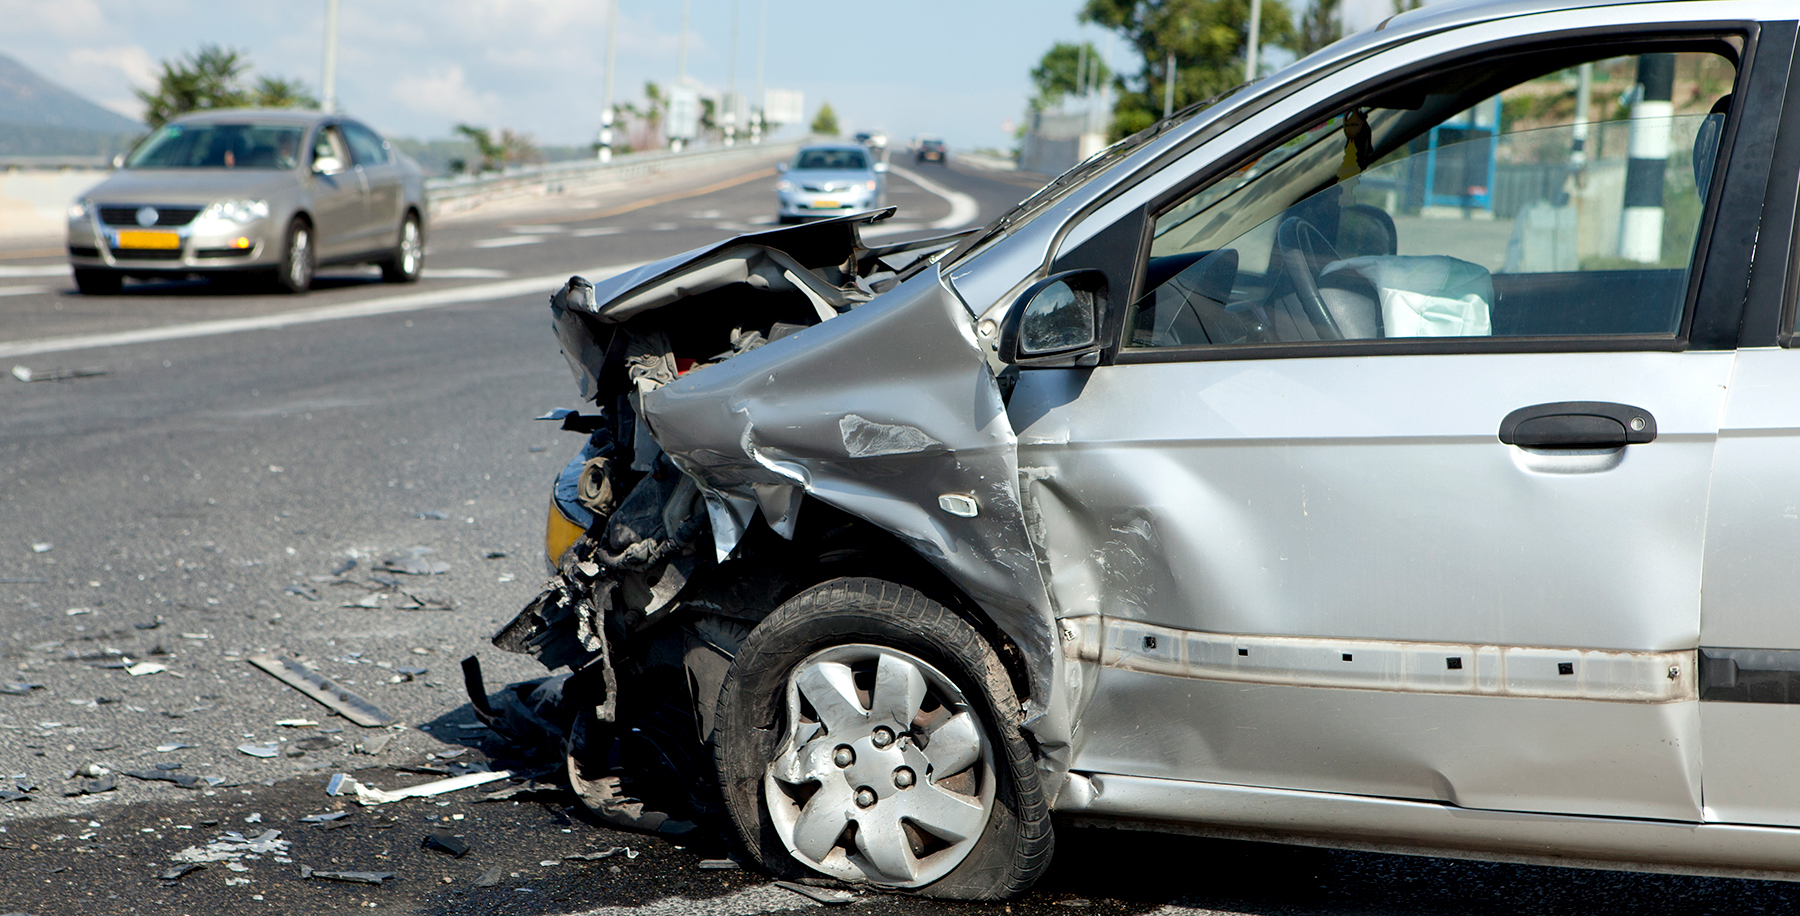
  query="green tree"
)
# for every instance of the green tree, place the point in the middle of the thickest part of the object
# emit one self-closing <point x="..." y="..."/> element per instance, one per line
<point x="278" y="92"/>
<point x="1321" y="26"/>
<point x="825" y="123"/>
<point x="212" y="77"/>
<point x="1401" y="6"/>
<point x="1209" y="39"/>
<point x="1058" y="74"/>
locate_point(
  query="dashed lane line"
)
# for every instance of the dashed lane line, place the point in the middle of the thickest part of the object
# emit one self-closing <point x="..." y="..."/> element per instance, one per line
<point x="509" y="241"/>
<point x="406" y="302"/>
<point x="34" y="270"/>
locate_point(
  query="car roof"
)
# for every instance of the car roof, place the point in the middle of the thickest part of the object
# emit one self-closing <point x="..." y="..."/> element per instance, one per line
<point x="282" y="115"/>
<point x="834" y="146"/>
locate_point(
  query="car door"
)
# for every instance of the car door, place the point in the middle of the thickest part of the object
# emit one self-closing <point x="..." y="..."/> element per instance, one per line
<point x="1422" y="517"/>
<point x="1749" y="631"/>
<point x="339" y="212"/>
<point x="381" y="177"/>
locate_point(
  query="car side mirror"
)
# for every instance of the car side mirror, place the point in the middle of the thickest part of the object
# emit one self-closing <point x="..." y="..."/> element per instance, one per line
<point x="881" y="166"/>
<point x="326" y="165"/>
<point x="1056" y="321"/>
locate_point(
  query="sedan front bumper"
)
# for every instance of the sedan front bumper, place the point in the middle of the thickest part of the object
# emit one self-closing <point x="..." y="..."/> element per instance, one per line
<point x="210" y="245"/>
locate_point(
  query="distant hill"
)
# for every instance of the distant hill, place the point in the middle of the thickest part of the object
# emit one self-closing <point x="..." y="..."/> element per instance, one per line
<point x="40" y="118"/>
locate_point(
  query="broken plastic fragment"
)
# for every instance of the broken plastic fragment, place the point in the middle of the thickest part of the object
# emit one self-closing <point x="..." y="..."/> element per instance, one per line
<point x="376" y="878"/>
<point x="295" y="674"/>
<point x="176" y="746"/>
<point x="490" y="877"/>
<point x="26" y="374"/>
<point x="449" y="845"/>
<point x="143" y="668"/>
<point x="179" y="871"/>
<point x="826" y="896"/>
<point x="371" y="796"/>
<point x="19" y="689"/>
<point x="324" y="818"/>
<point x="260" y="750"/>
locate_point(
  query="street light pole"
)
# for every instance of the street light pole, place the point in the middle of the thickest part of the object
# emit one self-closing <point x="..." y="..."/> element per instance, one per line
<point x="762" y="41"/>
<point x="681" y="49"/>
<point x="328" y="83"/>
<point x="1255" y="40"/>
<point x="606" y="110"/>
<point x="731" y="95"/>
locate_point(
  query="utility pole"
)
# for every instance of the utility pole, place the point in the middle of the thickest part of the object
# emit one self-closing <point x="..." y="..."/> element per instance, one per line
<point x="1169" y="86"/>
<point x="762" y="36"/>
<point x="681" y="49"/>
<point x="606" y="111"/>
<point x="1255" y="40"/>
<point x="1640" y="226"/>
<point x="731" y="96"/>
<point x="328" y="83"/>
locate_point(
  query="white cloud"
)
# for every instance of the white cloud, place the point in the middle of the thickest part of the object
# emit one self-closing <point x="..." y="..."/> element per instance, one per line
<point x="445" y="92"/>
<point x="70" y="19"/>
<point x="131" y="60"/>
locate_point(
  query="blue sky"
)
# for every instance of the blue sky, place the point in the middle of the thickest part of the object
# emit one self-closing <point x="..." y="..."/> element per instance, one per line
<point x="956" y="68"/>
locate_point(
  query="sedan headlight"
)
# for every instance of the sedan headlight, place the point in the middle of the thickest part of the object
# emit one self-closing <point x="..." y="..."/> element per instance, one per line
<point x="237" y="211"/>
<point x="784" y="186"/>
<point x="871" y="184"/>
<point x="81" y="209"/>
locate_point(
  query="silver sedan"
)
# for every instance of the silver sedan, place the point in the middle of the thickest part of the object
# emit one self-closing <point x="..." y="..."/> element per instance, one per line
<point x="270" y="195"/>
<point x="831" y="181"/>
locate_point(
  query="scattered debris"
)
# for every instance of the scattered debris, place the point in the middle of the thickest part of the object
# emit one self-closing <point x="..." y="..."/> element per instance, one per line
<point x="41" y="547"/>
<point x="161" y="775"/>
<point x="413" y="563"/>
<point x="719" y="865"/>
<point x="304" y="591"/>
<point x="143" y="668"/>
<point x="295" y="674"/>
<point x="449" y="845"/>
<point x="179" y="871"/>
<point x="26" y="374"/>
<point x="594" y="856"/>
<point x="8" y="795"/>
<point x="376" y="878"/>
<point x="254" y="817"/>
<point x="260" y="750"/>
<point x="173" y="746"/>
<point x="371" y="796"/>
<point x="425" y="598"/>
<point x="324" y="818"/>
<point x="105" y="783"/>
<point x="453" y="752"/>
<point x="434" y="515"/>
<point x="320" y="743"/>
<point x="296" y="723"/>
<point x="373" y="745"/>
<point x="19" y="689"/>
<point x="496" y="555"/>
<point x="77" y="611"/>
<point x="490" y="877"/>
<point x="824" y="895"/>
<point x="234" y="846"/>
<point x="406" y="673"/>
<point x="344" y="566"/>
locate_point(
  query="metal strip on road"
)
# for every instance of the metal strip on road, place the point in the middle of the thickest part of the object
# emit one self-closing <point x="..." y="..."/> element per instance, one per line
<point x="409" y="302"/>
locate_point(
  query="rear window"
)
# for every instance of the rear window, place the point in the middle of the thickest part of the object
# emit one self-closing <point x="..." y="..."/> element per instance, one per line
<point x="840" y="159"/>
<point x="220" y="146"/>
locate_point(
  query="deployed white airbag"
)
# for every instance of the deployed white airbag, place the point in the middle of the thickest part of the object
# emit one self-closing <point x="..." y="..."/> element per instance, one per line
<point x="1427" y="295"/>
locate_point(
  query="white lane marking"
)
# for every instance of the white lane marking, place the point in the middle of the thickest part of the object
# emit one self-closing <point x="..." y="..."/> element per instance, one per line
<point x="23" y="290"/>
<point x="532" y="230"/>
<point x="882" y="229"/>
<point x="35" y="270"/>
<point x="963" y="209"/>
<point x="465" y="273"/>
<point x="750" y="901"/>
<point x="665" y="227"/>
<point x="597" y="230"/>
<point x="508" y="242"/>
<point x="407" y="302"/>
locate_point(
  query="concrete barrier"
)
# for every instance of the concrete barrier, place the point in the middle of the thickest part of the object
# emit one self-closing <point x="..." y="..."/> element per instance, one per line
<point x="35" y="198"/>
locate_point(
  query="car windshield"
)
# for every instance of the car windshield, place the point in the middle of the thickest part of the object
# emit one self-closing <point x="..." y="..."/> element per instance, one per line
<point x="220" y="146"/>
<point x="833" y="159"/>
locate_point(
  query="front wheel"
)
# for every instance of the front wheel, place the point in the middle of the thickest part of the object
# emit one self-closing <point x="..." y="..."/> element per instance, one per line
<point x="299" y="259"/>
<point x="868" y="734"/>
<point x="408" y="259"/>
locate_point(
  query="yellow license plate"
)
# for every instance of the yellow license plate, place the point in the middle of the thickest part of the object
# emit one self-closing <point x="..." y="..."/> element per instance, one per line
<point x="825" y="205"/>
<point x="164" y="240"/>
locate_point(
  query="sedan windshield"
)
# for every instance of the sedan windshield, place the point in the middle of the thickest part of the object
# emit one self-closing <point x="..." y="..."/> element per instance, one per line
<point x="839" y="160"/>
<point x="220" y="146"/>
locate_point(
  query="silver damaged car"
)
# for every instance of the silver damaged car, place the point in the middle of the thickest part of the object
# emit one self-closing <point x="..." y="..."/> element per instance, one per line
<point x="1397" y="453"/>
<point x="244" y="194"/>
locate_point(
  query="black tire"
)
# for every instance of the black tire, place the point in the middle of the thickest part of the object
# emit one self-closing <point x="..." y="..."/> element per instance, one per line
<point x="299" y="258"/>
<point x="98" y="282"/>
<point x="408" y="259"/>
<point x="1014" y="846"/>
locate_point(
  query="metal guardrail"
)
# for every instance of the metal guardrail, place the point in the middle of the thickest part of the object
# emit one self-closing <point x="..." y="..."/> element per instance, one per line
<point x="450" y="195"/>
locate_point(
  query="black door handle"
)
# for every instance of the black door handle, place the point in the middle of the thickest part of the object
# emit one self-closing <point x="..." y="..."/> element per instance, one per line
<point x="1578" y="424"/>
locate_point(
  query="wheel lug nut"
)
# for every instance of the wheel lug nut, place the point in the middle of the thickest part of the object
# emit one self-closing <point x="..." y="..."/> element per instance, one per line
<point x="882" y="737"/>
<point x="865" y="797"/>
<point x="843" y="756"/>
<point x="903" y="778"/>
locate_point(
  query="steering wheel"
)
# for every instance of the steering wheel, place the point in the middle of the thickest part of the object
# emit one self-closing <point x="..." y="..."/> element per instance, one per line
<point x="1302" y="251"/>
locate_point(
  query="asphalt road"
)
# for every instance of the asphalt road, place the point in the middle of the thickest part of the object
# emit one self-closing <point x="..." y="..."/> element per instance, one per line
<point x="191" y="505"/>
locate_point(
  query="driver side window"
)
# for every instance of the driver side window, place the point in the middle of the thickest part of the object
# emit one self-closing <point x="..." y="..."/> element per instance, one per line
<point x="1473" y="206"/>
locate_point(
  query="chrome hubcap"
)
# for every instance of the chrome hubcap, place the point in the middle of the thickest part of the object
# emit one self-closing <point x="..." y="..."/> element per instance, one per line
<point x="885" y="773"/>
<point x="411" y="248"/>
<point x="299" y="262"/>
